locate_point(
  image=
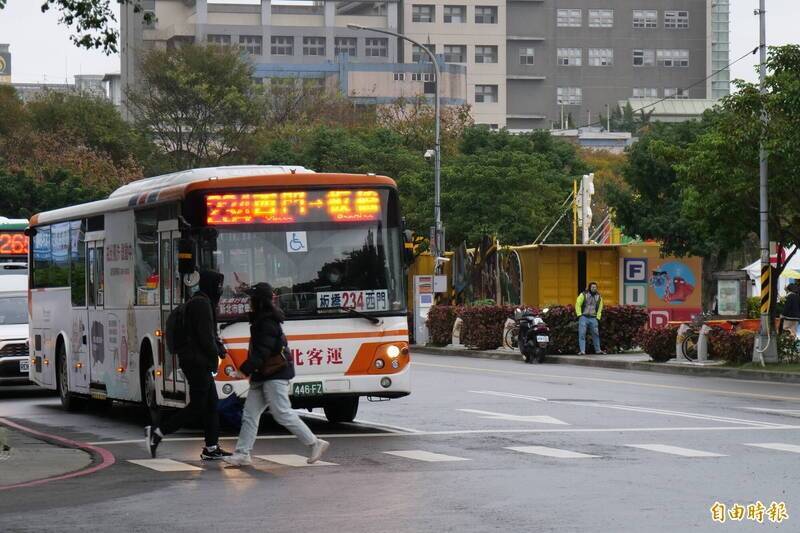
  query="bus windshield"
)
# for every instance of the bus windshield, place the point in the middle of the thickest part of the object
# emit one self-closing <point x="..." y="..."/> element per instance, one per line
<point x="315" y="269"/>
<point x="13" y="310"/>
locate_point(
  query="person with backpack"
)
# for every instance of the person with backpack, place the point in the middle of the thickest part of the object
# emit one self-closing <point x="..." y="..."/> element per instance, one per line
<point x="270" y="368"/>
<point x="192" y="332"/>
<point x="589" y="308"/>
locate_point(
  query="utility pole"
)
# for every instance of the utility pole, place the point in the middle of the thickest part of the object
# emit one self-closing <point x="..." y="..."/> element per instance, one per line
<point x="766" y="347"/>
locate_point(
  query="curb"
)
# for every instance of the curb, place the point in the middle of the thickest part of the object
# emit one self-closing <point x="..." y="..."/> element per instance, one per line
<point x="664" y="368"/>
<point x="101" y="458"/>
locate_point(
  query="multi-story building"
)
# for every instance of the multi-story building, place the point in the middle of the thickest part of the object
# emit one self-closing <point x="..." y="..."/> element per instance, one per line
<point x="521" y="64"/>
<point x="292" y="41"/>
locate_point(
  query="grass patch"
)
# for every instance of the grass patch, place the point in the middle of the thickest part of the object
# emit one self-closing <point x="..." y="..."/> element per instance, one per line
<point x="771" y="367"/>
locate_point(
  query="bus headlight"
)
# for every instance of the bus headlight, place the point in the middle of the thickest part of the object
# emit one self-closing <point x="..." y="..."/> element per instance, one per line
<point x="393" y="351"/>
<point x="386" y="383"/>
<point x="395" y="364"/>
<point x="379" y="363"/>
<point x="229" y="370"/>
<point x="227" y="389"/>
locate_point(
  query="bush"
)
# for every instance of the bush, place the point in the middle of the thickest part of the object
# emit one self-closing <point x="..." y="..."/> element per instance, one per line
<point x="753" y="307"/>
<point x="732" y="346"/>
<point x="658" y="343"/>
<point x="441" y="319"/>
<point x="483" y="326"/>
<point x="563" y="325"/>
<point x="620" y="327"/>
<point x="788" y="348"/>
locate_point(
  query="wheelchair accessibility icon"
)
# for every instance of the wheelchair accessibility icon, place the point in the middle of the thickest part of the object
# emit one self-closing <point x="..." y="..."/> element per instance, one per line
<point x="296" y="241"/>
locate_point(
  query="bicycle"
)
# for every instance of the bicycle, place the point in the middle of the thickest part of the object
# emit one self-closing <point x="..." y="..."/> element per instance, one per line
<point x="511" y="336"/>
<point x="692" y="337"/>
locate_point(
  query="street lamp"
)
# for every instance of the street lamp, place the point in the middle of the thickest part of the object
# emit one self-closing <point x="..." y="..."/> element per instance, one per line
<point x="438" y="244"/>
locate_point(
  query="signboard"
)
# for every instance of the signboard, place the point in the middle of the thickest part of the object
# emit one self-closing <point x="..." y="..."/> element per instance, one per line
<point x="285" y="207"/>
<point x="13" y="243"/>
<point x="728" y="297"/>
<point x="374" y="300"/>
<point x="5" y="64"/>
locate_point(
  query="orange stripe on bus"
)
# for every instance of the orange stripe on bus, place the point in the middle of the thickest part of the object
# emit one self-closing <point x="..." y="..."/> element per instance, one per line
<point x="332" y="336"/>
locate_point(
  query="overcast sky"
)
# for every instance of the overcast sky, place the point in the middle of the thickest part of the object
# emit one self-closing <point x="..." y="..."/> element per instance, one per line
<point x="41" y="49"/>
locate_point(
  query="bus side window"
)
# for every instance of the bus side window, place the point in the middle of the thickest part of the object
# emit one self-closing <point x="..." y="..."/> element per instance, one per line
<point x="91" y="277"/>
<point x="147" y="257"/>
<point x="42" y="257"/>
<point x="100" y="273"/>
<point x="77" y="263"/>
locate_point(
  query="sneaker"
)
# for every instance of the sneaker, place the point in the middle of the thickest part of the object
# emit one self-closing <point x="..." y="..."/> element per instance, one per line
<point x="152" y="439"/>
<point x="214" y="453"/>
<point x="317" y="449"/>
<point x="239" y="459"/>
<point x="581" y="353"/>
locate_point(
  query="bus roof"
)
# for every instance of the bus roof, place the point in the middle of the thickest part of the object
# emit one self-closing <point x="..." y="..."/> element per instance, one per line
<point x="175" y="186"/>
<point x="13" y="223"/>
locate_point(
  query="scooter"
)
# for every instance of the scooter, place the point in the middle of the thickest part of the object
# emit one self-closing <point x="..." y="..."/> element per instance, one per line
<point x="534" y="335"/>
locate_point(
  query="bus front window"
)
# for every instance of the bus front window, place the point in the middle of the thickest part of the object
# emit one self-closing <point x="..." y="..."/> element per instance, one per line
<point x="314" y="268"/>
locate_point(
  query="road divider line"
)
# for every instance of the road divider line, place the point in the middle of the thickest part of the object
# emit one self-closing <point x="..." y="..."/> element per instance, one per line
<point x="292" y="460"/>
<point x="422" y="455"/>
<point x="165" y="465"/>
<point x="675" y="450"/>
<point x="794" y="448"/>
<point x="551" y="452"/>
<point x="536" y="375"/>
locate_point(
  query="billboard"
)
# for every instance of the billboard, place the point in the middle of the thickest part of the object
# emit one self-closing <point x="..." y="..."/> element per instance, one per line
<point x="5" y="63"/>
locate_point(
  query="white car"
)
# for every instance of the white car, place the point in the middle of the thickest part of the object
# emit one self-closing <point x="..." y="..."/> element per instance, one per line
<point x="14" y="355"/>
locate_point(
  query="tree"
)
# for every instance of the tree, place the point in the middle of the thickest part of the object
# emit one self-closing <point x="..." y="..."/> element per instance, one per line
<point x="22" y="195"/>
<point x="92" y="21"/>
<point x="199" y="103"/>
<point x="627" y="118"/>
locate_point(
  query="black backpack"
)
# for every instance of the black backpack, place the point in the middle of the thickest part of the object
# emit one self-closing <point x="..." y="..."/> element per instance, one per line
<point x="175" y="333"/>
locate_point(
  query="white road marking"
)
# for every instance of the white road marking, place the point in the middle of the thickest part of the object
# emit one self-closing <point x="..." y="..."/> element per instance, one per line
<point x="165" y="465"/>
<point x="527" y="374"/>
<point x="637" y="409"/>
<point x="361" y="423"/>
<point x="675" y="450"/>
<point x="292" y="460"/>
<point x="551" y="452"/>
<point x="769" y="410"/>
<point x="421" y="455"/>
<point x="541" y="419"/>
<point x="776" y="446"/>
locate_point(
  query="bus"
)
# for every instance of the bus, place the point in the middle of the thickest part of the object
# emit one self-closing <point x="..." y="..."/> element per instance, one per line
<point x="105" y="275"/>
<point x="13" y="241"/>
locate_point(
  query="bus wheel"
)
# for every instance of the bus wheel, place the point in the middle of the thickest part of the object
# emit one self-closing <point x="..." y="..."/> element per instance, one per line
<point x="69" y="401"/>
<point x="341" y="409"/>
<point x="148" y="383"/>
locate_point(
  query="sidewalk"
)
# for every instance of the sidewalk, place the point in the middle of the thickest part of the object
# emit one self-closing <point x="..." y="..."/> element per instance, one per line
<point x="628" y="361"/>
<point x="31" y="459"/>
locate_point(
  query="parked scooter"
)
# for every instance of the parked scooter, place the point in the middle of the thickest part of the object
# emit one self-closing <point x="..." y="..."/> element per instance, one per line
<point x="534" y="335"/>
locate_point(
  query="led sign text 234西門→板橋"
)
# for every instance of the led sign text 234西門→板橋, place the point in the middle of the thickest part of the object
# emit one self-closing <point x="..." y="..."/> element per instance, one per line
<point x="284" y="207"/>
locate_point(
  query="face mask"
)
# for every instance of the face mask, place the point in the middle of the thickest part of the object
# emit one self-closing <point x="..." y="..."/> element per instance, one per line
<point x="593" y="290"/>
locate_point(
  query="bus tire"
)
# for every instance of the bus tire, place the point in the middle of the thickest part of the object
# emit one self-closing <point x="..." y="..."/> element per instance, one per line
<point x="341" y="409"/>
<point x="69" y="401"/>
<point x="147" y="382"/>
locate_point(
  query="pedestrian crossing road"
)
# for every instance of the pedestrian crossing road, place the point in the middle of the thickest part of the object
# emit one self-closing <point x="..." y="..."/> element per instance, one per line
<point x="425" y="456"/>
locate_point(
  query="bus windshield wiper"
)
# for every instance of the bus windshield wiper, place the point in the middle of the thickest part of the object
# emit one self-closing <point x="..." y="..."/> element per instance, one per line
<point x="359" y="314"/>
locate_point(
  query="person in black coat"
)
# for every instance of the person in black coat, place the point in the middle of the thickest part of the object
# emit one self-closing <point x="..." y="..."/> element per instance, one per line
<point x="268" y="340"/>
<point x="198" y="359"/>
<point x="791" y="308"/>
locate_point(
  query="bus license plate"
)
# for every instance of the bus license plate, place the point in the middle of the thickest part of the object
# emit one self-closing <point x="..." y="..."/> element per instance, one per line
<point x="24" y="366"/>
<point x="312" y="388"/>
<point x="542" y="338"/>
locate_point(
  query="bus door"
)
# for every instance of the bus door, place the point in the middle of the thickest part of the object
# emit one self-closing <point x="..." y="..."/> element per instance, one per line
<point x="96" y="320"/>
<point x="171" y="382"/>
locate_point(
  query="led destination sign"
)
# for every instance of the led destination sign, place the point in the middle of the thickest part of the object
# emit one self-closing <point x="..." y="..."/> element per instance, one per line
<point x="283" y="207"/>
<point x="15" y="243"/>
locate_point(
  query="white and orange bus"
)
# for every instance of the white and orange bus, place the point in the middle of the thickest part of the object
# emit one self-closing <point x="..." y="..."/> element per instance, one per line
<point x="105" y="275"/>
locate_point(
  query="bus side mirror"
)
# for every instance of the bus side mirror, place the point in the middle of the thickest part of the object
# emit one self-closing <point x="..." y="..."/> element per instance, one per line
<point x="186" y="256"/>
<point x="30" y="232"/>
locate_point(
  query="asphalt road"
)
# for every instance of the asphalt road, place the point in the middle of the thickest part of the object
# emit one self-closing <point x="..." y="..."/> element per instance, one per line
<point x="520" y="448"/>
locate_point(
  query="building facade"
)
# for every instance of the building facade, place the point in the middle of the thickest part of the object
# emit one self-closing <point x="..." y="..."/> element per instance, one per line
<point x="520" y="64"/>
<point x="5" y="64"/>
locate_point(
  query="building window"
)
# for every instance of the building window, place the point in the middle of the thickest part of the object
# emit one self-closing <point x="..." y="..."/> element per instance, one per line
<point x="526" y="55"/>
<point x="422" y="76"/>
<point x="486" y="94"/>
<point x="455" y="14"/>
<point x="601" y="57"/>
<point x="601" y="18"/>
<point x="645" y="92"/>
<point x="644" y="58"/>
<point x="676" y="20"/>
<point x="419" y="56"/>
<point x="218" y="40"/>
<point x="252" y="44"/>
<point x="673" y="58"/>
<point x="376" y="47"/>
<point x="570" y="57"/>
<point x="313" y="46"/>
<point x="399" y="76"/>
<point x="423" y="13"/>
<point x="455" y="53"/>
<point x="282" y="45"/>
<point x="485" y="54"/>
<point x="569" y="95"/>
<point x="645" y="18"/>
<point x="568" y="18"/>
<point x="345" y="45"/>
<point x="485" y="14"/>
<point x="681" y="94"/>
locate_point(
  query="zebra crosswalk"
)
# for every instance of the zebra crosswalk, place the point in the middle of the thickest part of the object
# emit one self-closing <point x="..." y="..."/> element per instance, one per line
<point x="538" y="453"/>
